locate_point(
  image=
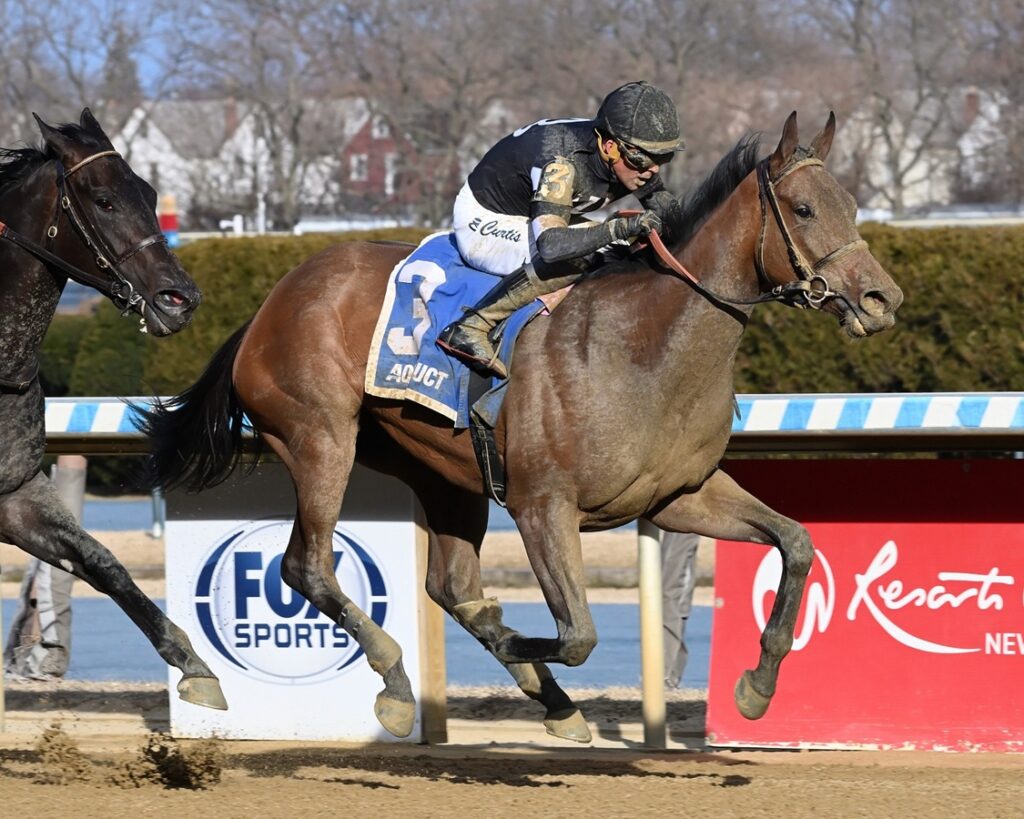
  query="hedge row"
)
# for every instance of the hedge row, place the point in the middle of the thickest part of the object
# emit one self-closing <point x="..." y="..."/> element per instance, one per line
<point x="959" y="328"/>
<point x="235" y="276"/>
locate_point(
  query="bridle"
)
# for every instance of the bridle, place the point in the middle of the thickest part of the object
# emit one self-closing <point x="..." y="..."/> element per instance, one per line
<point x="113" y="285"/>
<point x="811" y="285"/>
<point x="810" y="289"/>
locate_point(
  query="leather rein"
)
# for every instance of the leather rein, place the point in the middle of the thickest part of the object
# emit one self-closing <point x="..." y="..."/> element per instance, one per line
<point x="810" y="289"/>
<point x="114" y="285"/>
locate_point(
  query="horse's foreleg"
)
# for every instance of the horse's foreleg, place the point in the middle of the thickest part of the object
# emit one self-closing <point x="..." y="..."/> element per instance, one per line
<point x="456" y="522"/>
<point x="34" y="519"/>
<point x="552" y="540"/>
<point x="320" y="465"/>
<point x="721" y="509"/>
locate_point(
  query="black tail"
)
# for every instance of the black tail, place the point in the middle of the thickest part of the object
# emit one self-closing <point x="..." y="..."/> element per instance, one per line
<point x="197" y="437"/>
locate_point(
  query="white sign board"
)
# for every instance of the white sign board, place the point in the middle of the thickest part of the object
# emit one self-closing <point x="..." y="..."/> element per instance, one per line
<point x="287" y="671"/>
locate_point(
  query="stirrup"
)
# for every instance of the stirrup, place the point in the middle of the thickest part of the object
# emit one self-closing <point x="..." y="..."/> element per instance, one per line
<point x="480" y="355"/>
<point x="479" y="364"/>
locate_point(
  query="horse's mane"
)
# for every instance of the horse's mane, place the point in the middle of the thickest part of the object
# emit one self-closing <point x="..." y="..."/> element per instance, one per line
<point x="18" y="163"/>
<point x="698" y="205"/>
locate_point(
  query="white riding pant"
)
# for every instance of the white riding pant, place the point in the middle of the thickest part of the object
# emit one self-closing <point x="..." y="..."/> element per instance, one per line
<point x="500" y="244"/>
<point x="494" y="242"/>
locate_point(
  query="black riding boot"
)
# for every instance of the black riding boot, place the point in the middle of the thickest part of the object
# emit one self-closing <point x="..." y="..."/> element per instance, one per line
<point x="468" y="338"/>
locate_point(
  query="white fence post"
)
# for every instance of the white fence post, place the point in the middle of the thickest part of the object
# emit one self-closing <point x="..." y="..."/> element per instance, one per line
<point x="652" y="645"/>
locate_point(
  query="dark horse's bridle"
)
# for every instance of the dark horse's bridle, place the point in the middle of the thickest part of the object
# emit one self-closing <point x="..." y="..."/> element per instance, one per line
<point x="114" y="285"/>
<point x="810" y="289"/>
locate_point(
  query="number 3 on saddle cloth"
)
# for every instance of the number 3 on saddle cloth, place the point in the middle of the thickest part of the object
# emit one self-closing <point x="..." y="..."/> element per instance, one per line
<point x="426" y="291"/>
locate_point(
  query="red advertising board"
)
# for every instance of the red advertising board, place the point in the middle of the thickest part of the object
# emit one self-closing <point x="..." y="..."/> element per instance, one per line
<point x="911" y="633"/>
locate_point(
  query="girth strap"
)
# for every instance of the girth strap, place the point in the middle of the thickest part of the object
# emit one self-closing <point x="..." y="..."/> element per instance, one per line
<point x="491" y="467"/>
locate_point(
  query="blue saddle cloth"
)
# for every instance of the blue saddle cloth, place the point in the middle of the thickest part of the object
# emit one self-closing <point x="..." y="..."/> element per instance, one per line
<point x="427" y="291"/>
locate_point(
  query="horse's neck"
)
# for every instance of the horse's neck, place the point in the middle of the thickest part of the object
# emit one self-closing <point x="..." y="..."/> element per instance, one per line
<point x="29" y="292"/>
<point x="721" y="256"/>
<point x="721" y="253"/>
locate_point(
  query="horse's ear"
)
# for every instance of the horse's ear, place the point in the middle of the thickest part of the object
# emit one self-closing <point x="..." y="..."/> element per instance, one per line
<point x="822" y="143"/>
<point x="44" y="129"/>
<point x="787" y="144"/>
<point x="91" y="125"/>
<point x="89" y="122"/>
<point x="53" y="138"/>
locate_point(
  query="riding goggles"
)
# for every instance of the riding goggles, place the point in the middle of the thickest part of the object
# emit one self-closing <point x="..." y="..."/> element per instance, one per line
<point x="638" y="159"/>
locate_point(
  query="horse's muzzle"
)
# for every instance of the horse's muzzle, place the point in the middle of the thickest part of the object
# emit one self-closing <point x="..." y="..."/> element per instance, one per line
<point x="170" y="310"/>
<point x="874" y="312"/>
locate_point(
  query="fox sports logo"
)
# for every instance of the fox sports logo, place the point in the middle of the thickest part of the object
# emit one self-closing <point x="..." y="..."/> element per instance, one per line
<point x="264" y="627"/>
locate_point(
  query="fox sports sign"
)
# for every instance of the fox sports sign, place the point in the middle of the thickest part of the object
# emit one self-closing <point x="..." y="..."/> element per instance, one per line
<point x="265" y="628"/>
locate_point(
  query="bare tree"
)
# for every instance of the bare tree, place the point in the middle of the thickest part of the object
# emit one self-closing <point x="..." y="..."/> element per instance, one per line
<point x="450" y="77"/>
<point x="994" y="105"/>
<point x="730" y="65"/>
<point x="268" y="55"/>
<point x="709" y="55"/>
<point x="442" y="72"/>
<point x="60" y="57"/>
<point x="906" y="56"/>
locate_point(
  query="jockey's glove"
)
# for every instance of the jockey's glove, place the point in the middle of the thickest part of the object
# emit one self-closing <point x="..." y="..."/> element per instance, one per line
<point x="640" y="225"/>
<point x="667" y="207"/>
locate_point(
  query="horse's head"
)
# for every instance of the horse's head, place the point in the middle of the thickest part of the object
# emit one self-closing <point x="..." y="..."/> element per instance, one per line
<point x="113" y="212"/>
<point x="809" y="231"/>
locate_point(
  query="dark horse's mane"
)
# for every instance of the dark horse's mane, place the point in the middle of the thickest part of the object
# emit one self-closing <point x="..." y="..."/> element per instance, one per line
<point x="17" y="163"/>
<point x="699" y="204"/>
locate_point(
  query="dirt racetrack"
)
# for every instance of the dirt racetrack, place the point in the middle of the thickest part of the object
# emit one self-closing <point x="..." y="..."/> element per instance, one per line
<point x="498" y="763"/>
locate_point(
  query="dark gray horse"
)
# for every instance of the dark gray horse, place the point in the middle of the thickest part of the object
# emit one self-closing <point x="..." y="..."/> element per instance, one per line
<point x="74" y="208"/>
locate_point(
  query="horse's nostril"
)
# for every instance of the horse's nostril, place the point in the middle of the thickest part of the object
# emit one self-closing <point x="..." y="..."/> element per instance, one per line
<point x="874" y="304"/>
<point x="173" y="301"/>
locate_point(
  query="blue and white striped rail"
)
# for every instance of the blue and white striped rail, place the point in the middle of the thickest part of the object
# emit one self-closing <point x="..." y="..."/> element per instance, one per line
<point x="882" y="421"/>
<point x="93" y="426"/>
<point x="91" y="416"/>
<point x="883" y="411"/>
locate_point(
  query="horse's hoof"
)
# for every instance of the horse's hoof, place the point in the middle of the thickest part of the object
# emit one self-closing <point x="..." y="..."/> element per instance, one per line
<point x="751" y="703"/>
<point x="203" y="691"/>
<point x="396" y="716"/>
<point x="568" y="725"/>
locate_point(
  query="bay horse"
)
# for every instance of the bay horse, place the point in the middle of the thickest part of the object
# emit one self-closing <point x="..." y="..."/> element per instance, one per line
<point x="74" y="208"/>
<point x="619" y="407"/>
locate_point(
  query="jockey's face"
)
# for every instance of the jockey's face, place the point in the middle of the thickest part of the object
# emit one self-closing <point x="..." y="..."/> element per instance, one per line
<point x="630" y="177"/>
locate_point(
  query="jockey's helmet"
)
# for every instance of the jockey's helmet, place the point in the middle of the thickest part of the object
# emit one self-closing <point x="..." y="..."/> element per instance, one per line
<point x="639" y="114"/>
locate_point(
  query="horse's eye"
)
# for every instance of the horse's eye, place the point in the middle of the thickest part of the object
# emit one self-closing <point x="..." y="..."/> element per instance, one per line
<point x="104" y="204"/>
<point x="803" y="211"/>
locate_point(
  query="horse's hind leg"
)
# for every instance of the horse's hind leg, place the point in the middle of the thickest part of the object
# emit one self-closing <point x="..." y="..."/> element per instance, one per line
<point x="33" y="518"/>
<point x="456" y="522"/>
<point x="721" y="509"/>
<point x="320" y="462"/>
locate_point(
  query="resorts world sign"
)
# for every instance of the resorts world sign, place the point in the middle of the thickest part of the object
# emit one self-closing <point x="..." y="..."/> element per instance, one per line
<point x="910" y="633"/>
<point x="880" y="593"/>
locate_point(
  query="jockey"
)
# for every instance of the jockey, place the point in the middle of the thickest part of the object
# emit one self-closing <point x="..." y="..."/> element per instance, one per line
<point x="523" y="212"/>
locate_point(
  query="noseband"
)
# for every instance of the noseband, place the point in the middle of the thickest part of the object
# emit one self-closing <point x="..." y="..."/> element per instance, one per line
<point x="114" y="285"/>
